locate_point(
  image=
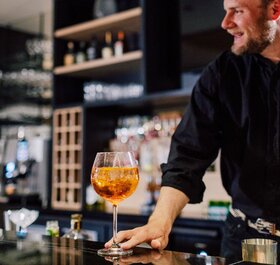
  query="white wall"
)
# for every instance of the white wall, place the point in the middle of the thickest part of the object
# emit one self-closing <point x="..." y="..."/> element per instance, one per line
<point x="25" y="15"/>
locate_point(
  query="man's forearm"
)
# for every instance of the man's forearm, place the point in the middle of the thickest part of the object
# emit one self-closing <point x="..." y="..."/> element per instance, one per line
<point x="170" y="203"/>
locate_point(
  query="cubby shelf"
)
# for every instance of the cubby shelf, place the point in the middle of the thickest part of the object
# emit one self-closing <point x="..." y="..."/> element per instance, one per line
<point x="128" y="21"/>
<point x="67" y="158"/>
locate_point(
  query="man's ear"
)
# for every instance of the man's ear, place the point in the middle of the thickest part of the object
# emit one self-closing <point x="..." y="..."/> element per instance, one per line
<point x="275" y="7"/>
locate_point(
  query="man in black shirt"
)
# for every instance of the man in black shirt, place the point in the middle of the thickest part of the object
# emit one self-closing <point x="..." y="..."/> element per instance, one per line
<point x="235" y="108"/>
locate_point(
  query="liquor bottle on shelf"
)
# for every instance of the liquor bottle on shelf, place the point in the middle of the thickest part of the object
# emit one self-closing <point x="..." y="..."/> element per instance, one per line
<point x="69" y="57"/>
<point x="92" y="49"/>
<point x="107" y="50"/>
<point x="119" y="44"/>
<point x="76" y="231"/>
<point x="80" y="55"/>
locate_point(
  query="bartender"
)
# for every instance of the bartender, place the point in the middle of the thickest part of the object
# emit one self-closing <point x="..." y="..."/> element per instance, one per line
<point x="235" y="108"/>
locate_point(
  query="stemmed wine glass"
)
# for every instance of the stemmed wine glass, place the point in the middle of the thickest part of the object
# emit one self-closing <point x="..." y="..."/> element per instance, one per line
<point x="114" y="177"/>
<point x="22" y="219"/>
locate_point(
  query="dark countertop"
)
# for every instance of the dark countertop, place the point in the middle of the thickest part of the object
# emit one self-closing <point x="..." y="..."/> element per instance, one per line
<point x="52" y="251"/>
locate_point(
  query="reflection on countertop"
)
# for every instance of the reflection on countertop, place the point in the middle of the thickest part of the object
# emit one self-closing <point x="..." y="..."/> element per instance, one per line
<point x="67" y="251"/>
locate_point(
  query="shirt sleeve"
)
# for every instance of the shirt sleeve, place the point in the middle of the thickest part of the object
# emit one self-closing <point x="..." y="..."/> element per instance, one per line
<point x="196" y="141"/>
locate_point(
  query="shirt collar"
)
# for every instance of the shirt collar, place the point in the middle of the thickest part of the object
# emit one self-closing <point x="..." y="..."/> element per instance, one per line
<point x="263" y="60"/>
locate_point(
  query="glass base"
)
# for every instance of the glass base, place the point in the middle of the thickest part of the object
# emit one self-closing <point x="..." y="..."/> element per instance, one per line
<point x="114" y="252"/>
<point x="21" y="233"/>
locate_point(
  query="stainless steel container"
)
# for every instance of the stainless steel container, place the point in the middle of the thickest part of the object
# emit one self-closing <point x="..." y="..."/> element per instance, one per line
<point x="259" y="250"/>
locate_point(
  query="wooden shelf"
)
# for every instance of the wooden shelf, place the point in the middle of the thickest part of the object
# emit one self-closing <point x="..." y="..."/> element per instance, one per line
<point x="127" y="63"/>
<point x="65" y="185"/>
<point x="128" y="21"/>
<point x="65" y="148"/>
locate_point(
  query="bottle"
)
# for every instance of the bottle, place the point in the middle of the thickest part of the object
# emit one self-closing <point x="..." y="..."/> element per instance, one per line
<point x="47" y="53"/>
<point x="119" y="44"/>
<point x="80" y="56"/>
<point x="47" y="63"/>
<point x="22" y="146"/>
<point x="76" y="231"/>
<point x="92" y="49"/>
<point x="107" y="50"/>
<point x="22" y="158"/>
<point x="69" y="57"/>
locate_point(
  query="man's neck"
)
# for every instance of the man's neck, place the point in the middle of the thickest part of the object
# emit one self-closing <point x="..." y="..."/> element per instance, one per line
<point x="273" y="57"/>
<point x="272" y="52"/>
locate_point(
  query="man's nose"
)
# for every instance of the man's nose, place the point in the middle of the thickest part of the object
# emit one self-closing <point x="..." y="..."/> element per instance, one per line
<point x="227" y="22"/>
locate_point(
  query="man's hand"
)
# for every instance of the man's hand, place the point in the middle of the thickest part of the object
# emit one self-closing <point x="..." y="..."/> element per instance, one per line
<point x="153" y="233"/>
<point x="170" y="203"/>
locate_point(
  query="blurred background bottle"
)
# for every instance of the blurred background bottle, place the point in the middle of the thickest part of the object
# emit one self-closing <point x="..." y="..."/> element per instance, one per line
<point x="76" y="231"/>
<point x="119" y="44"/>
<point x="107" y="50"/>
<point x="80" y="55"/>
<point x="92" y="50"/>
<point x="69" y="57"/>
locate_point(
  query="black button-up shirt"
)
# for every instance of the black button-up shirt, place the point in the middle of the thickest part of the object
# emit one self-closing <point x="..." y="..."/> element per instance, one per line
<point x="235" y="108"/>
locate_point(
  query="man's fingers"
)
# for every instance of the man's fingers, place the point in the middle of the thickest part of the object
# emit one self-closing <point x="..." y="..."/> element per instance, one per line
<point x="121" y="236"/>
<point x="156" y="244"/>
<point x="132" y="242"/>
<point x="136" y="236"/>
<point x="109" y="243"/>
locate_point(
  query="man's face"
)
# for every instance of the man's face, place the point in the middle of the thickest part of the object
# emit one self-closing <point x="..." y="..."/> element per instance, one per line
<point x="246" y="21"/>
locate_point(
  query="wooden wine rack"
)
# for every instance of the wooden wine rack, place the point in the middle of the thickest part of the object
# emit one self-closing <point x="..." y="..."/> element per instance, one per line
<point x="67" y="159"/>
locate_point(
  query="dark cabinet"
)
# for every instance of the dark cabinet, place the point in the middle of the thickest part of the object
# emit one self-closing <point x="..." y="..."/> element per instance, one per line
<point x="158" y="62"/>
<point x="153" y="63"/>
<point x="197" y="236"/>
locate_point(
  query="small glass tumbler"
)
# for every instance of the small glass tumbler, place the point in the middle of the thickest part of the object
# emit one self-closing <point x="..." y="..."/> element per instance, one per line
<point x="52" y="228"/>
<point x="259" y="250"/>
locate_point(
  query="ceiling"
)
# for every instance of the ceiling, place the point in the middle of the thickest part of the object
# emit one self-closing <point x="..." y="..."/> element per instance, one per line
<point x="21" y="14"/>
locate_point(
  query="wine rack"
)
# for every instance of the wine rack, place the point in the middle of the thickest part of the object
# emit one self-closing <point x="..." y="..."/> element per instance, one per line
<point x="67" y="159"/>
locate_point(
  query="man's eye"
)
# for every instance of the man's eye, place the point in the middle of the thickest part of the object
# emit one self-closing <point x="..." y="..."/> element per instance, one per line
<point x="238" y="11"/>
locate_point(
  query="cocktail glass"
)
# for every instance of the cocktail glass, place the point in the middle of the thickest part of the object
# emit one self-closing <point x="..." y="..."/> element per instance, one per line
<point x="114" y="177"/>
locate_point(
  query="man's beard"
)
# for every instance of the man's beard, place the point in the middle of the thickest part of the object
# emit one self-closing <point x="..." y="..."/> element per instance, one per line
<point x="258" y="44"/>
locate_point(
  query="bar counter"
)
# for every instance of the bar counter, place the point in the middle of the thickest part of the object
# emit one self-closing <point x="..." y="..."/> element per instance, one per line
<point x="61" y="251"/>
<point x="193" y="235"/>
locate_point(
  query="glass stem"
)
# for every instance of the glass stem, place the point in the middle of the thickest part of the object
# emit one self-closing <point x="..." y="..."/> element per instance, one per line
<point x="115" y="223"/>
